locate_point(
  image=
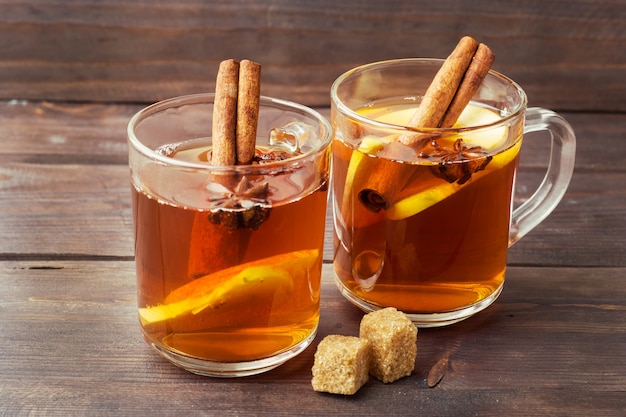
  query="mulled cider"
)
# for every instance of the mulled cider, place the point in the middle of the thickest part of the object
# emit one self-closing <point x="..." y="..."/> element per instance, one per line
<point x="425" y="155"/>
<point x="440" y="243"/>
<point x="424" y="162"/>
<point x="228" y="257"/>
<point x="229" y="292"/>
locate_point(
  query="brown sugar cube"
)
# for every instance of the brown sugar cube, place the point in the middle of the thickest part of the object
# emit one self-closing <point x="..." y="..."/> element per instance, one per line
<point x="393" y="343"/>
<point x="341" y="365"/>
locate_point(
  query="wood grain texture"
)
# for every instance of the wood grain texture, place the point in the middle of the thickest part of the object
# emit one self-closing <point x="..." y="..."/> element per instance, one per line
<point x="65" y="191"/>
<point x="568" y="55"/>
<point x="551" y="345"/>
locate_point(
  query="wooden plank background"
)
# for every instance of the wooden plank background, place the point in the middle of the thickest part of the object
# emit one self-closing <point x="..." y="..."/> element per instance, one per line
<point x="72" y="73"/>
<point x="569" y="55"/>
<point x="78" y="154"/>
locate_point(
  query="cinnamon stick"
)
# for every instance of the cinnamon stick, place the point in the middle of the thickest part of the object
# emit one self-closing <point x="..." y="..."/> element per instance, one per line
<point x="473" y="78"/>
<point x="235" y="120"/>
<point x="225" y="114"/>
<point x="441" y="91"/>
<point x="219" y="238"/>
<point x="247" y="110"/>
<point x="380" y="181"/>
<point x="455" y="83"/>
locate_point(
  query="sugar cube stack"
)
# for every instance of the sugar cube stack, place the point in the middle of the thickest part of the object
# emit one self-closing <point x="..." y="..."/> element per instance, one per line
<point x="386" y="348"/>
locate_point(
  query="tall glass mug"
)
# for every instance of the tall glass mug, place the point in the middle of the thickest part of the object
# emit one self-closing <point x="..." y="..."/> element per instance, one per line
<point x="425" y="228"/>
<point x="228" y="257"/>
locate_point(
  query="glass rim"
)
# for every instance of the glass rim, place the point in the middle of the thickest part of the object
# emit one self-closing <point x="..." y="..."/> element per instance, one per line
<point x="352" y="114"/>
<point x="198" y="98"/>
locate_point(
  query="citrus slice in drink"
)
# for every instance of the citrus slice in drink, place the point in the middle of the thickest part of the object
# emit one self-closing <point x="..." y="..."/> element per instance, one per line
<point x="413" y="204"/>
<point x="490" y="138"/>
<point x="259" y="280"/>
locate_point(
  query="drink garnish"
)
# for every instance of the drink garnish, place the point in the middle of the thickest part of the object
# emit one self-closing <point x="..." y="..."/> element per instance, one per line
<point x="235" y="120"/>
<point x="449" y="93"/>
<point x="417" y="202"/>
<point x="248" y="195"/>
<point x="235" y="112"/>
<point x="456" y="165"/>
<point x="234" y="129"/>
<point x="236" y="285"/>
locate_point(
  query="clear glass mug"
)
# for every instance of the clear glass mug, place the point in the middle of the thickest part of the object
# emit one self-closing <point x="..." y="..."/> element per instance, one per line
<point x="426" y="228"/>
<point x="228" y="258"/>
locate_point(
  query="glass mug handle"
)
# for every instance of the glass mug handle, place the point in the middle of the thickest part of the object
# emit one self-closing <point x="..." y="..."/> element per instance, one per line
<point x="560" y="168"/>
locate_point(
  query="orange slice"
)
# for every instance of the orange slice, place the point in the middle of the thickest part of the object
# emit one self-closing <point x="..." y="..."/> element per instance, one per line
<point x="422" y="200"/>
<point x="260" y="279"/>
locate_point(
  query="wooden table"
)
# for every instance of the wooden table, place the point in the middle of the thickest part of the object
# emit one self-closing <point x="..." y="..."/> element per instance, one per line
<point x="553" y="344"/>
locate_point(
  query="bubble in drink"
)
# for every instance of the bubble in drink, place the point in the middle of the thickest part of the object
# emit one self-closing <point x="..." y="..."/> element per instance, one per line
<point x="367" y="267"/>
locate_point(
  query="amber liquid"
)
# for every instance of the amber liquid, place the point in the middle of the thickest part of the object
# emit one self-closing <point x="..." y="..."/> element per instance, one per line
<point x="446" y="257"/>
<point x="176" y="245"/>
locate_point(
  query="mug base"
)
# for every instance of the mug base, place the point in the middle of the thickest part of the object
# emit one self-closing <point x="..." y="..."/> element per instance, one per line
<point x="424" y="320"/>
<point x="206" y="367"/>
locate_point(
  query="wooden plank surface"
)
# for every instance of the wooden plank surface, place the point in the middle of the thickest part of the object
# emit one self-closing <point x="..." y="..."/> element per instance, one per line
<point x="80" y="211"/>
<point x="567" y="54"/>
<point x="72" y="73"/>
<point x="64" y="174"/>
<point x="552" y="345"/>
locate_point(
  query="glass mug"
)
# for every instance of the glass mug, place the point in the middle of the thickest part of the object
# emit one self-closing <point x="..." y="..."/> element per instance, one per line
<point x="228" y="258"/>
<point x="426" y="229"/>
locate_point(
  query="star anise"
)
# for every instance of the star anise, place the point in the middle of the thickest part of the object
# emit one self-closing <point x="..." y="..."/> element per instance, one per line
<point x="456" y="164"/>
<point x="245" y="206"/>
